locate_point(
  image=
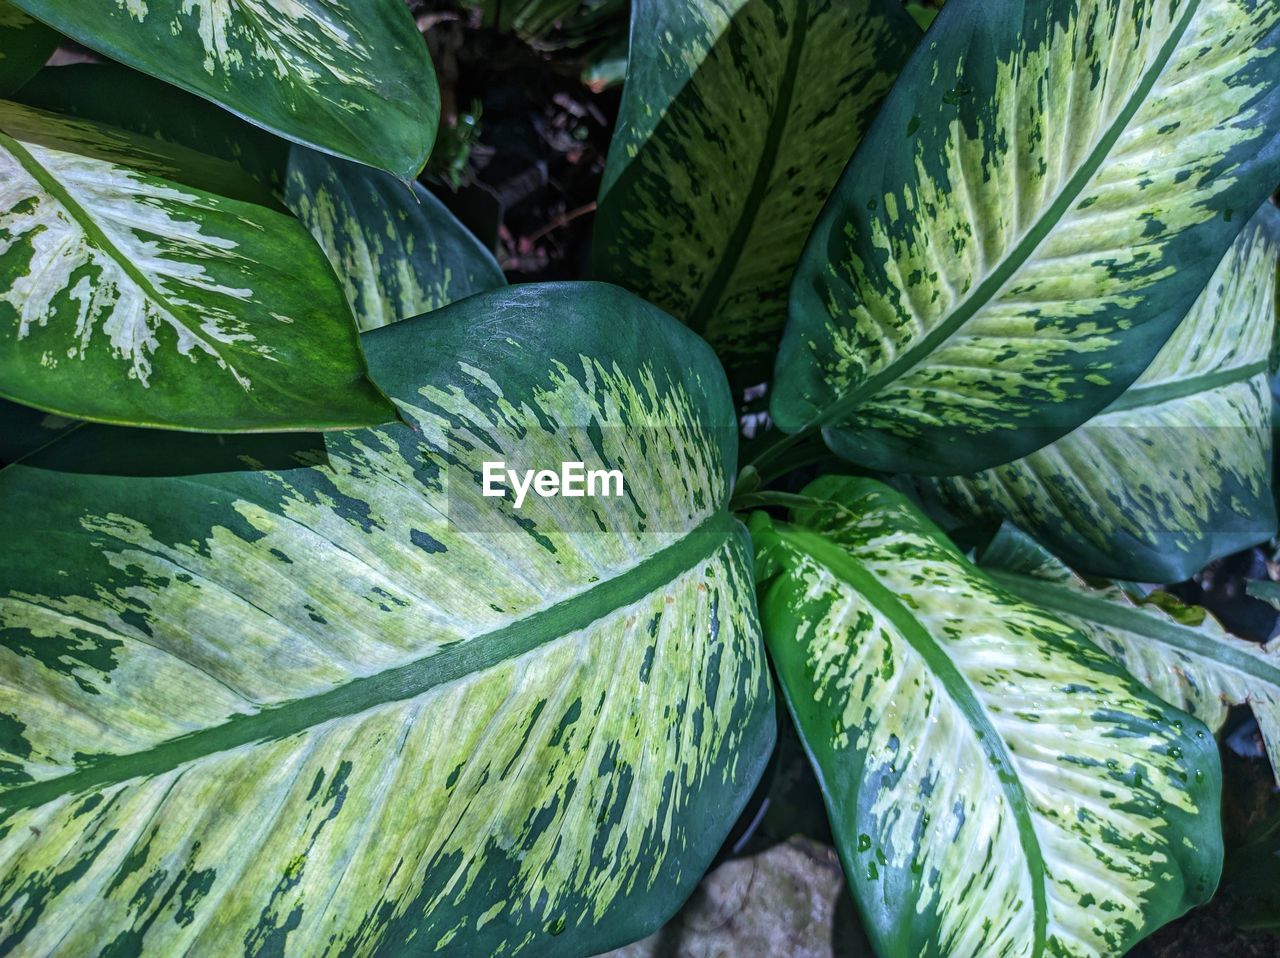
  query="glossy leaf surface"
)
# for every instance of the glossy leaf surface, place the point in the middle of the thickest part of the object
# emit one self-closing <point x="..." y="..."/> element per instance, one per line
<point x="321" y="700"/>
<point x="129" y="296"/>
<point x="1180" y="652"/>
<point x="736" y="121"/>
<point x="991" y="777"/>
<point x="117" y="96"/>
<point x="1042" y="199"/>
<point x="1175" y="473"/>
<point x="397" y="250"/>
<point x="351" y="79"/>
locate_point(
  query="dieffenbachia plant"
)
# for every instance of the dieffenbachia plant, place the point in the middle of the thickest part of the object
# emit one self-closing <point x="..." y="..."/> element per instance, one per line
<point x="131" y="290"/>
<point x="1043" y="197"/>
<point x="764" y="100"/>
<point x="323" y="690"/>
<point x="1178" y="651"/>
<point x="992" y="777"/>
<point x="263" y="703"/>
<point x="1109" y="497"/>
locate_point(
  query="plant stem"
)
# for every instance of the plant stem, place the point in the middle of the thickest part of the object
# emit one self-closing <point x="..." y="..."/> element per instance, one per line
<point x="771" y="464"/>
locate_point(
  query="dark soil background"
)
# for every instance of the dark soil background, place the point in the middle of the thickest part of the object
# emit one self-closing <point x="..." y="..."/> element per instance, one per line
<point x="528" y="185"/>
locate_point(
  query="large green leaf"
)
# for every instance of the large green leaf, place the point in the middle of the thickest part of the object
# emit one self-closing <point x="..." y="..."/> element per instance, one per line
<point x="127" y="296"/>
<point x="997" y="786"/>
<point x="1177" y="471"/>
<point x="1041" y="200"/>
<point x="113" y="94"/>
<point x="398" y="251"/>
<point x="736" y="121"/>
<point x="335" y="701"/>
<point x="1178" y="651"/>
<point x="351" y="79"/>
<point x="25" y="46"/>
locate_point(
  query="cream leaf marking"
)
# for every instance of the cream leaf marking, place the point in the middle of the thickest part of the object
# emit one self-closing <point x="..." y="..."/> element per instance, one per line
<point x="1180" y="652"/>
<point x="959" y="730"/>
<point x="1109" y="497"/>
<point x="412" y="716"/>
<point x="450" y="664"/>
<point x="912" y="282"/>
<point x="398" y="252"/>
<point x="739" y="93"/>
<point x="293" y="38"/>
<point x="826" y="569"/>
<point x="352" y="79"/>
<point x="132" y="222"/>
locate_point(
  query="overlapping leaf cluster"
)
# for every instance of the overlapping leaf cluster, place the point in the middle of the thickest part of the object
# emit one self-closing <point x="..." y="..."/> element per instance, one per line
<point x="277" y="677"/>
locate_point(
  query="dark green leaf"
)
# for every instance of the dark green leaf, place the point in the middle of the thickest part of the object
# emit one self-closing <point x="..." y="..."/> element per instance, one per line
<point x="923" y="13"/>
<point x="1265" y="590"/>
<point x="735" y="125"/>
<point x="397" y="250"/>
<point x="335" y="700"/>
<point x="997" y="786"/>
<point x="1045" y="194"/>
<point x="351" y="79"/>
<point x="128" y="295"/>
<point x="113" y="94"/>
<point x="25" y="46"/>
<point x="23" y="430"/>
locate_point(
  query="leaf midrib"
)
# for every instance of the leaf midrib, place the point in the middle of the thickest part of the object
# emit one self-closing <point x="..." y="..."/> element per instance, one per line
<point x="709" y="301"/>
<point x="1182" y="637"/>
<point x="84" y="219"/>
<point x="986" y="291"/>
<point x="1141" y="397"/>
<point x="452" y="663"/>
<point x="989" y="741"/>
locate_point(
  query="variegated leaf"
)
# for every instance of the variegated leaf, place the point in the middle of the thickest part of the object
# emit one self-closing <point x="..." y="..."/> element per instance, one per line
<point x="997" y="786"/>
<point x="129" y="296"/>
<point x="1041" y="200"/>
<point x="1178" y="651"/>
<point x="351" y="79"/>
<point x="266" y="698"/>
<point x="113" y="94"/>
<point x="398" y="251"/>
<point x="737" y="118"/>
<point x="25" y="46"/>
<point x="1175" y="473"/>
